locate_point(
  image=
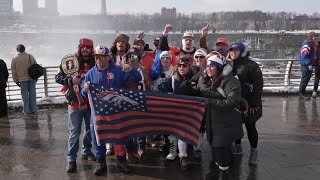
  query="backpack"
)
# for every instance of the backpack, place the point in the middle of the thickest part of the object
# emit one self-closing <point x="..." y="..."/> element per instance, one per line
<point x="35" y="70"/>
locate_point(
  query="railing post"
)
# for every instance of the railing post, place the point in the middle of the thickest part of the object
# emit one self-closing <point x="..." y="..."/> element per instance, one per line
<point x="288" y="73"/>
<point x="45" y="82"/>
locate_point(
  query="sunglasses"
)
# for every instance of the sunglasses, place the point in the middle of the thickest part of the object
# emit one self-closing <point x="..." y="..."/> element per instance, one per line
<point x="199" y="57"/>
<point x="165" y="57"/>
<point x="133" y="56"/>
<point x="182" y="65"/>
<point x="99" y="57"/>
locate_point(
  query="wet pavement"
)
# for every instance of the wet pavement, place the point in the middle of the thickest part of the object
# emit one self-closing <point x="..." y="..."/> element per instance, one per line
<point x="289" y="148"/>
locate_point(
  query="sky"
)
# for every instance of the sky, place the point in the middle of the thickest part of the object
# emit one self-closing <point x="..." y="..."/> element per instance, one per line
<point x="68" y="7"/>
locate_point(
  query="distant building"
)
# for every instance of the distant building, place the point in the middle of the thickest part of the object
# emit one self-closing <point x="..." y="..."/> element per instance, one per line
<point x="6" y="7"/>
<point x="103" y="7"/>
<point x="51" y="7"/>
<point x="30" y="7"/>
<point x="167" y="12"/>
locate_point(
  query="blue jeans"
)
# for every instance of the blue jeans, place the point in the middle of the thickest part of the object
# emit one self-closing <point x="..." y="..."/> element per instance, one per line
<point x="100" y="151"/>
<point x="28" y="93"/>
<point x="76" y="116"/>
<point x="305" y="78"/>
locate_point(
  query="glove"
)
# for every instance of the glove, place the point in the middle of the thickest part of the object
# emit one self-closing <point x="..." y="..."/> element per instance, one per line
<point x="77" y="80"/>
<point x="310" y="67"/>
<point x="163" y="87"/>
<point x="18" y="84"/>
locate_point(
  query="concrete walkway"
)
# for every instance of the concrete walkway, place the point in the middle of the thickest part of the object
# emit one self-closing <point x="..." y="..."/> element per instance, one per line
<point x="289" y="148"/>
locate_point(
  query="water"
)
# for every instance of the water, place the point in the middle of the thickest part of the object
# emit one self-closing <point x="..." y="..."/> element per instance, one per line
<point x="49" y="47"/>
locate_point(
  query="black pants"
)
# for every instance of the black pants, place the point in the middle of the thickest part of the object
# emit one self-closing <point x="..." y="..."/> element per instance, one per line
<point x="252" y="135"/>
<point x="3" y="102"/>
<point x="221" y="155"/>
<point x="316" y="78"/>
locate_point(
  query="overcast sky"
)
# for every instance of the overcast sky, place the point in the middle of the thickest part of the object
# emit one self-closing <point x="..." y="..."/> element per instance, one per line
<point x="186" y="6"/>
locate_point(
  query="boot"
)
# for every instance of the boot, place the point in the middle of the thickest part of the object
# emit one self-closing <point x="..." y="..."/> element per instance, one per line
<point x="237" y="149"/>
<point x="184" y="163"/>
<point x="253" y="160"/>
<point x="173" y="148"/>
<point x="123" y="166"/>
<point x="224" y="175"/>
<point x="101" y="167"/>
<point x="71" y="166"/>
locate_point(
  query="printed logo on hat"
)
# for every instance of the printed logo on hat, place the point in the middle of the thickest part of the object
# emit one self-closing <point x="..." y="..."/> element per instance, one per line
<point x="101" y="50"/>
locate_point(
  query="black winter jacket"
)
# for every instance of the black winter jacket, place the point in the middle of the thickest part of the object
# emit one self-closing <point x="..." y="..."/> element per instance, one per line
<point x="249" y="74"/>
<point x="3" y="74"/>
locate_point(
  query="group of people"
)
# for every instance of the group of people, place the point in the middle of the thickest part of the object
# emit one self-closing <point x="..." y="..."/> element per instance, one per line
<point x="225" y="76"/>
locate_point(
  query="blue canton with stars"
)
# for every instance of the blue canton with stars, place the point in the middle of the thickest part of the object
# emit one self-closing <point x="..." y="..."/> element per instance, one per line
<point x="109" y="101"/>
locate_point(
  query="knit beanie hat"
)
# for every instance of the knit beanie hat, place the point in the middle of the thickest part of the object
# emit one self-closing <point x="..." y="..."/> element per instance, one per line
<point x="201" y="52"/>
<point x="216" y="61"/>
<point x="240" y="46"/>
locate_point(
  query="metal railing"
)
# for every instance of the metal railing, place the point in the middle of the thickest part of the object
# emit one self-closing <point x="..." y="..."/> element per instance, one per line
<point x="280" y="75"/>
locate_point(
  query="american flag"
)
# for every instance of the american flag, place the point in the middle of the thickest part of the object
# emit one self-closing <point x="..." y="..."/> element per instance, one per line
<point x="122" y="114"/>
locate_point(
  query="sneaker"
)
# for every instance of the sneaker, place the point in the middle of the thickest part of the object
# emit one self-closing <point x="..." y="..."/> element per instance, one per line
<point x="314" y="94"/>
<point x="184" y="163"/>
<point x="253" y="160"/>
<point x="101" y="167"/>
<point x="237" y="149"/>
<point x="304" y="97"/>
<point x="71" y="166"/>
<point x="89" y="157"/>
<point x="132" y="158"/>
<point x="109" y="149"/>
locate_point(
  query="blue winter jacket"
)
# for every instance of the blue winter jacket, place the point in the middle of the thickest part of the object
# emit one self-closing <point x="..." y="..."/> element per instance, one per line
<point x="307" y="53"/>
<point x="113" y="77"/>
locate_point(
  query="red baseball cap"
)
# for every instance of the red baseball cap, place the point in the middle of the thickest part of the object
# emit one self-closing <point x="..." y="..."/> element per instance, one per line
<point x="222" y="40"/>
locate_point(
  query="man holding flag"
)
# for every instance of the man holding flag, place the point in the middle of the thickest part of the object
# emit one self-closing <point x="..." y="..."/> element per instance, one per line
<point x="107" y="74"/>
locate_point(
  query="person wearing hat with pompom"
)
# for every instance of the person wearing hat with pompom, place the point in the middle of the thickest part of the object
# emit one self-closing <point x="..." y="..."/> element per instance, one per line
<point x="76" y="112"/>
<point x="109" y="75"/>
<point x="222" y="119"/>
<point x="250" y="77"/>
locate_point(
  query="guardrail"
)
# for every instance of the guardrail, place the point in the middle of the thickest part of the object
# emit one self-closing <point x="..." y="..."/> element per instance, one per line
<point x="280" y="75"/>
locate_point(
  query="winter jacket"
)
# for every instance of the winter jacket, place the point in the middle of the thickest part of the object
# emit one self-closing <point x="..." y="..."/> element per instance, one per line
<point x="66" y="81"/>
<point x="19" y="66"/>
<point x="222" y="121"/>
<point x="182" y="85"/>
<point x="112" y="77"/>
<point x="249" y="74"/>
<point x="3" y="74"/>
<point x="308" y="53"/>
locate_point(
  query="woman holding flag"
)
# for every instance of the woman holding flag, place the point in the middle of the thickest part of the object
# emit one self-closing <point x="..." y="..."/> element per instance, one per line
<point x="222" y="117"/>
